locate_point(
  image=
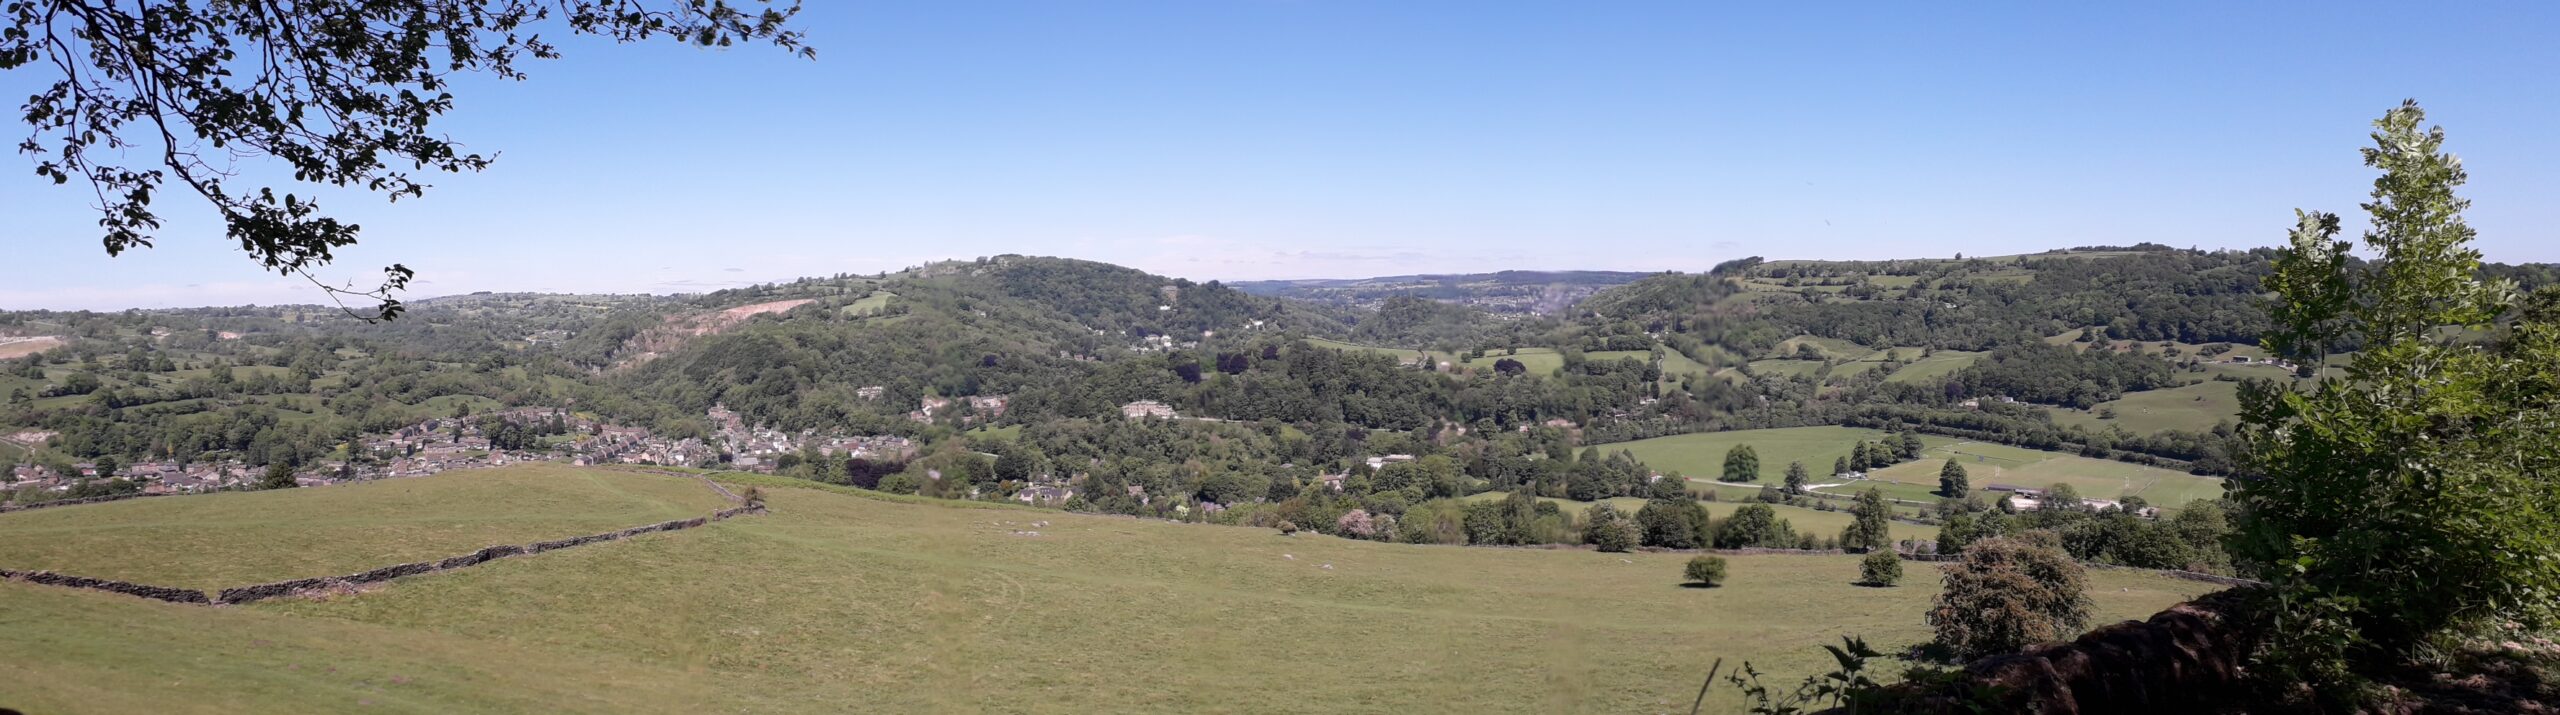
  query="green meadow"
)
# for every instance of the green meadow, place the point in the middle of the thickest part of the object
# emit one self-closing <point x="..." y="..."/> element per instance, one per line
<point x="1701" y="456"/>
<point x="213" y="541"/>
<point x="2193" y="408"/>
<point x="1987" y="464"/>
<point x="842" y="602"/>
<point x="1937" y="365"/>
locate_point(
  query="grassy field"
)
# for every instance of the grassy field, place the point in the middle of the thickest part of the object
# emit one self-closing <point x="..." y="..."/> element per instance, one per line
<point x="1831" y="348"/>
<point x="1986" y="464"/>
<point x="841" y="603"/>
<point x="1938" y="364"/>
<point x="2194" y="408"/>
<point x="1007" y="432"/>
<point x="1397" y="353"/>
<point x="875" y="302"/>
<point x="1675" y="365"/>
<point x="233" y="539"/>
<point x="1538" y="361"/>
<point x="1701" y="456"/>
<point x="1786" y="368"/>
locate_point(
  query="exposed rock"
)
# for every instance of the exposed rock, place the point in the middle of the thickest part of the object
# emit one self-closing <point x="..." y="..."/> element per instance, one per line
<point x="2185" y="659"/>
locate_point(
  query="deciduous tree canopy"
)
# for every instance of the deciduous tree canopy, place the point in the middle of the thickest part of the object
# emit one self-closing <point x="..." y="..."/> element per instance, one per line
<point x="341" y="92"/>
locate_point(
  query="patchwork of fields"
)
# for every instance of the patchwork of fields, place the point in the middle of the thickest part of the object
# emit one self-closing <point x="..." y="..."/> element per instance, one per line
<point x="842" y="602"/>
<point x="1536" y="361"/>
<point x="1701" y="456"/>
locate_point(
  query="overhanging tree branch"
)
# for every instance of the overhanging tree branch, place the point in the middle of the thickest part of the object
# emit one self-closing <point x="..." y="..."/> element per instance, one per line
<point x="344" y="92"/>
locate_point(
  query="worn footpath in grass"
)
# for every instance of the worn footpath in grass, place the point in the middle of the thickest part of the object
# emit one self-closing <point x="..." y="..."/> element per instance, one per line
<point x="230" y="539"/>
<point x="841" y="603"/>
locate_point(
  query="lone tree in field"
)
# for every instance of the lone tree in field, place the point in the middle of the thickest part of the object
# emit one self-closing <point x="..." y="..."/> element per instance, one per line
<point x="279" y="476"/>
<point x="1882" y="568"/>
<point x="1741" y="464"/>
<point x="2008" y="593"/>
<point x="1796" y="478"/>
<point x="1952" y="482"/>
<point x="148" y="93"/>
<point x="1839" y="466"/>
<point x="2427" y="446"/>
<point x="1870" y="522"/>
<point x="1705" y="571"/>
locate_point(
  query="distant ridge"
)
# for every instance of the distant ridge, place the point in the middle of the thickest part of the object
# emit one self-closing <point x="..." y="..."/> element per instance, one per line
<point x="1537" y="292"/>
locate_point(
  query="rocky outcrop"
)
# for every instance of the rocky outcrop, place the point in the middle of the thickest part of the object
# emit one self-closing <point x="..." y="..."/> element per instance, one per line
<point x="2187" y="659"/>
<point x="159" y="593"/>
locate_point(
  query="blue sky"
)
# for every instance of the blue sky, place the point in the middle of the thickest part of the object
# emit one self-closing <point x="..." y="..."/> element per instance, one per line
<point x="1278" y="139"/>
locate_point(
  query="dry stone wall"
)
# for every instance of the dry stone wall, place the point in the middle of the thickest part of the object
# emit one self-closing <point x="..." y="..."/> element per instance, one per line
<point x="4" y="508"/>
<point x="263" y="591"/>
<point x="160" y="593"/>
<point x="258" y="592"/>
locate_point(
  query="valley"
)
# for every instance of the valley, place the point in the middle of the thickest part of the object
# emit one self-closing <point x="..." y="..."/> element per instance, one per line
<point x="1029" y="484"/>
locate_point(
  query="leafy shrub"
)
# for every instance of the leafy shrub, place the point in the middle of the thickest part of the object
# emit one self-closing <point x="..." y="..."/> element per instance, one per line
<point x="1705" y="570"/>
<point x="1755" y="525"/>
<point x="1355" y="524"/>
<point x="2413" y="499"/>
<point x="900" y="483"/>
<point x="1671" y="524"/>
<point x="2008" y="593"/>
<point x="1870" y="523"/>
<point x="1439" y="521"/>
<point x="1882" y="568"/>
<point x="1288" y="528"/>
